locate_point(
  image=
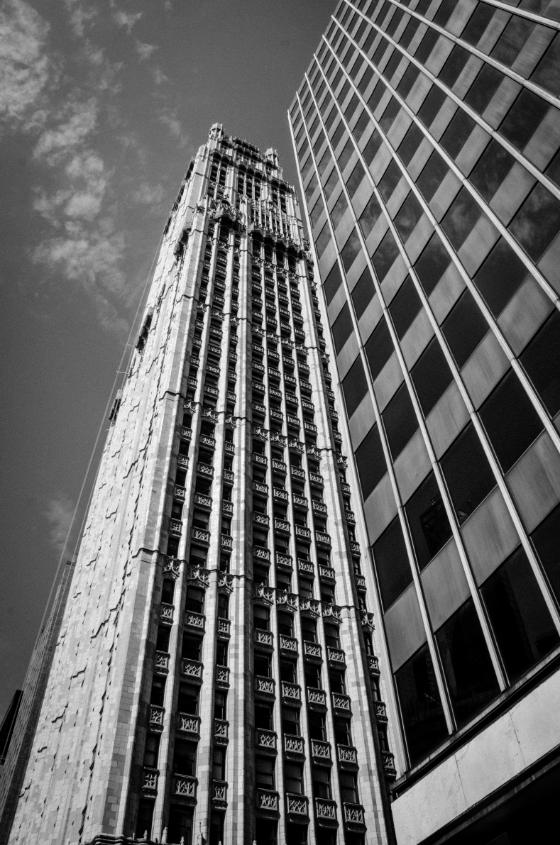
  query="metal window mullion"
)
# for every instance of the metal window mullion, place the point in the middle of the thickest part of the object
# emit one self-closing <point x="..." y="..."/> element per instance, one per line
<point x="494" y="655"/>
<point x="504" y="344"/>
<point x="545" y="419"/>
<point x="438" y="671"/>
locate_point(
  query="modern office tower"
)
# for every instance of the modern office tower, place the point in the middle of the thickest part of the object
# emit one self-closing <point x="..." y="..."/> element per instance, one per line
<point x="215" y="678"/>
<point x="427" y="136"/>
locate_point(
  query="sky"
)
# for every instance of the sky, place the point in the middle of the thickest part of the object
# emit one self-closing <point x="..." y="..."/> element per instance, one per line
<point x="102" y="105"/>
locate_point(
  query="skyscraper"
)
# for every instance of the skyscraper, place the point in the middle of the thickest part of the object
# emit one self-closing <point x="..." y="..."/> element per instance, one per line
<point x="215" y="676"/>
<point x="427" y="135"/>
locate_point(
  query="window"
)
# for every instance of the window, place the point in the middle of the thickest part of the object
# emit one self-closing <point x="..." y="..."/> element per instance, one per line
<point x="219" y="763"/>
<point x="464" y="327"/>
<point x="466" y="662"/>
<point x="509" y="402"/>
<point x="349" y="787"/>
<point x="428" y="521"/>
<point x="537" y="221"/>
<point x="431" y="376"/>
<point x="264" y="772"/>
<point x="332" y="282"/>
<point x="391" y="563"/>
<point x="363" y="293"/>
<point x="370" y="461"/>
<point x="453" y="65"/>
<point x="461" y="218"/>
<point x="350" y="250"/>
<point x="410" y="143"/>
<point x="354" y="386"/>
<point x="407" y="217"/>
<point x="399" y="420"/>
<point x="421" y="710"/>
<point x="467" y="473"/>
<point x="491" y="169"/>
<point x="545" y="541"/>
<point x="385" y="255"/>
<point x="431" y="105"/>
<point x="369" y="216"/>
<point x="483" y="88"/>
<point x="500" y="276"/>
<point x="184" y="757"/>
<point x="293" y="778"/>
<point x="523" y="118"/>
<point x="460" y="127"/>
<point x="432" y="264"/>
<point x="290" y="721"/>
<point x="541" y="360"/>
<point x="389" y="181"/>
<point x="342" y="327"/>
<point x="546" y="72"/>
<point x="378" y="348"/>
<point x="321" y="783"/>
<point x="151" y="750"/>
<point x="404" y="307"/>
<point x="521" y="622"/>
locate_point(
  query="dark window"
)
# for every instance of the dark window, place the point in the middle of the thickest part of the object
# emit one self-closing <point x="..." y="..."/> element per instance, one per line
<point x="361" y="125"/>
<point x="337" y="134"/>
<point x="355" y="178"/>
<point x="354" y="386"/>
<point x="363" y="293"/>
<point x="477" y="24"/>
<point x="369" y="216"/>
<point x="344" y="156"/>
<point x="385" y="255"/>
<point x="389" y="180"/>
<point x="470" y="677"/>
<point x="464" y="327"/>
<point x="426" y="44"/>
<point x="323" y="239"/>
<point x="422" y="713"/>
<point x="389" y="114"/>
<point x="453" y="65"/>
<point x="545" y="541"/>
<point x="376" y="95"/>
<point x="371" y="147"/>
<point x="432" y="264"/>
<point x="367" y="76"/>
<point x="391" y="563"/>
<point x="491" y="169"/>
<point x="370" y="461"/>
<point x="409" y="31"/>
<point x="350" y="250"/>
<point x="510" y="420"/>
<point x="483" y="88"/>
<point x="537" y="221"/>
<point x="404" y="307"/>
<point x="546" y="72"/>
<point x="433" y="173"/>
<point x="431" y="105"/>
<point x="523" y="118"/>
<point x="518" y="615"/>
<point x="342" y="328"/>
<point x="428" y="521"/>
<point x="332" y="282"/>
<point x="410" y="143"/>
<point x="461" y="218"/>
<point x="467" y="473"/>
<point x="512" y="39"/>
<point x="351" y="107"/>
<point x="378" y="348"/>
<point x="408" y="79"/>
<point x="431" y="376"/>
<point x="500" y="276"/>
<point x="399" y="420"/>
<point x="408" y="216"/>
<point x="339" y="208"/>
<point x="459" y="129"/>
<point x="541" y="360"/>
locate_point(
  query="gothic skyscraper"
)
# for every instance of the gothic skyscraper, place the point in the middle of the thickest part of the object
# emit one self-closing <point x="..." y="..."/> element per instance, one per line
<point x="215" y="677"/>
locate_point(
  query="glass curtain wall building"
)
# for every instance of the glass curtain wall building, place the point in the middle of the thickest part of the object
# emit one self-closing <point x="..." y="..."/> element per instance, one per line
<point x="215" y="678"/>
<point x="427" y="136"/>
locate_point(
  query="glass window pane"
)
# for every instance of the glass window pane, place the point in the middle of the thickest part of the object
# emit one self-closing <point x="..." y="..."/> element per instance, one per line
<point x="350" y="250"/>
<point x="510" y="420"/>
<point x="537" y="222"/>
<point x="466" y="662"/>
<point x="363" y="293"/>
<point x="467" y="473"/>
<point x="523" y="118"/>
<point x="332" y="282"/>
<point x="370" y="461"/>
<point x="432" y="264"/>
<point x="464" y="327"/>
<point x="546" y="542"/>
<point x="342" y="328"/>
<point x="421" y="710"/>
<point x="428" y="521"/>
<point x="378" y="348"/>
<point x="354" y="386"/>
<point x="431" y="376"/>
<point x="399" y="420"/>
<point x="520" y="619"/>
<point x="500" y="276"/>
<point x="385" y="255"/>
<point x="541" y="360"/>
<point x="404" y="307"/>
<point x="391" y="563"/>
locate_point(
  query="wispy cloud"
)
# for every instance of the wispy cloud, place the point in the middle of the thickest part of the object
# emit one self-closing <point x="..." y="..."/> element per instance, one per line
<point x="25" y="68"/>
<point x="146" y="194"/>
<point x="169" y="118"/>
<point x="78" y="121"/>
<point x="144" y="51"/>
<point x="80" y="16"/>
<point x="58" y="513"/>
<point x="126" y="20"/>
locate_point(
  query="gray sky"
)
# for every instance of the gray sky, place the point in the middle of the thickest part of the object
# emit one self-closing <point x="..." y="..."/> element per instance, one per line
<point x="101" y="106"/>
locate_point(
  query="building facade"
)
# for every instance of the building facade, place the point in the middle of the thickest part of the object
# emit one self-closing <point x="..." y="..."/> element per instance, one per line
<point x="427" y="136"/>
<point x="215" y="677"/>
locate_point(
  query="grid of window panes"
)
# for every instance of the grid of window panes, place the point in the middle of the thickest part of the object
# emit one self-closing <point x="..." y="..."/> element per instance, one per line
<point x="427" y="135"/>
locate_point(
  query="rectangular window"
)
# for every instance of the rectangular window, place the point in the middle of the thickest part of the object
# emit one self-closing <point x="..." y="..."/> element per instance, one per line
<point x="400" y="421"/>
<point x="378" y="348"/>
<point x="421" y="709"/>
<point x="541" y="360"/>
<point x="464" y="328"/>
<point x="354" y="386"/>
<point x="508" y="402"/>
<point x="391" y="563"/>
<point x="370" y="461"/>
<point x="431" y="376"/>
<point x="467" y="473"/>
<point x="428" y="520"/>
<point x="404" y="307"/>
